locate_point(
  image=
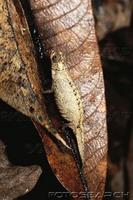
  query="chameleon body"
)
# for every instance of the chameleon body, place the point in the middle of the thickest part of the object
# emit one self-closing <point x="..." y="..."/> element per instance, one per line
<point x="68" y="98"/>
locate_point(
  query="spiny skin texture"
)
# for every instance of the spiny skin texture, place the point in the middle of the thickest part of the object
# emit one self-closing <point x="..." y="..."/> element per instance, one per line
<point x="68" y="98"/>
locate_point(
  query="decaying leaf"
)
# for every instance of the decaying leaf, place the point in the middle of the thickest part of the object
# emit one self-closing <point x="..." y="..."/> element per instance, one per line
<point x="15" y="180"/>
<point x="63" y="164"/>
<point x="20" y="86"/>
<point x="68" y="26"/>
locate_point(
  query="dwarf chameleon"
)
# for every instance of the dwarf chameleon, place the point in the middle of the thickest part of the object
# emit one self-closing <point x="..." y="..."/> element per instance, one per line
<point x="68" y="98"/>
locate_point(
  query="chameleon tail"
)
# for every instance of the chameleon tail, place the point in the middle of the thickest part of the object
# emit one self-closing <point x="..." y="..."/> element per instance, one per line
<point x="80" y="142"/>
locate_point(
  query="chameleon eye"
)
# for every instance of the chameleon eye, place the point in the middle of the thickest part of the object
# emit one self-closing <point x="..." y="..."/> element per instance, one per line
<point x="55" y="59"/>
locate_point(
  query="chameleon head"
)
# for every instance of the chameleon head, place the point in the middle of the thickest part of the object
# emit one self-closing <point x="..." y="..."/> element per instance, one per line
<point x="58" y="60"/>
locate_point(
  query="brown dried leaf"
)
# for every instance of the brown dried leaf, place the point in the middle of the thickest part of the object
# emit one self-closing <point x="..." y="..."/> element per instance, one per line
<point x="19" y="79"/>
<point x="62" y="163"/>
<point x="16" y="181"/>
<point x="68" y="26"/>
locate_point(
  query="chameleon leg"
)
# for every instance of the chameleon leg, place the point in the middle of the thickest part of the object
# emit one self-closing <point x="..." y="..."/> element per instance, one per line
<point x="56" y="134"/>
<point x="58" y="137"/>
<point x="50" y="91"/>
